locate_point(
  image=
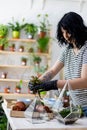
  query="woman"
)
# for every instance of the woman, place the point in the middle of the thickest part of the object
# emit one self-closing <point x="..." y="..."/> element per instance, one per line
<point x="72" y="33"/>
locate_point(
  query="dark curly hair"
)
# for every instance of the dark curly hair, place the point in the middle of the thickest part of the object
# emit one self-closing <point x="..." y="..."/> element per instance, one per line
<point x="74" y="24"/>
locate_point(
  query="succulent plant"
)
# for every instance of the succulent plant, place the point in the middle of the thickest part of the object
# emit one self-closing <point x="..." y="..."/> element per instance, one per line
<point x="34" y="80"/>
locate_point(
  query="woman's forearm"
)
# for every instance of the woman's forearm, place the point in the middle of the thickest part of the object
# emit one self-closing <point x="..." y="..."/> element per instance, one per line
<point x="47" y="76"/>
<point x="77" y="83"/>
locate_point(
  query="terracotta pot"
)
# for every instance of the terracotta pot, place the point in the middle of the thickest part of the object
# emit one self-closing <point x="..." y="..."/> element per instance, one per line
<point x="17" y="90"/>
<point x="12" y="48"/>
<point x="1" y="47"/>
<point x="7" y="90"/>
<point x="21" y="49"/>
<point x="42" y="34"/>
<point x="4" y="75"/>
<point x="1" y="36"/>
<point x="24" y="63"/>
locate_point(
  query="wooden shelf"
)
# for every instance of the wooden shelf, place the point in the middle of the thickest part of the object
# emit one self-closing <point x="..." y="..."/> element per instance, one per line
<point x="14" y="52"/>
<point x="15" y="66"/>
<point x="22" y="40"/>
<point x="23" y="53"/>
<point x="13" y="80"/>
<point x="17" y="95"/>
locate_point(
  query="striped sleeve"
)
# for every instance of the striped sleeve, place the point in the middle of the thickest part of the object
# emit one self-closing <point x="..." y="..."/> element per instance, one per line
<point x="85" y="56"/>
<point x="62" y="55"/>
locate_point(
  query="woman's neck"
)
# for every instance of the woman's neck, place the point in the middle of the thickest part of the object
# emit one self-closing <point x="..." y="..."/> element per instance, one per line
<point x="76" y="50"/>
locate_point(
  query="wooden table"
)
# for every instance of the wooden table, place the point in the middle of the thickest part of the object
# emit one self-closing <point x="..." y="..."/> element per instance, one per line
<point x="23" y="124"/>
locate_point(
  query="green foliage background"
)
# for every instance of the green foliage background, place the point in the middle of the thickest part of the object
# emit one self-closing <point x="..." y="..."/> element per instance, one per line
<point x="3" y="119"/>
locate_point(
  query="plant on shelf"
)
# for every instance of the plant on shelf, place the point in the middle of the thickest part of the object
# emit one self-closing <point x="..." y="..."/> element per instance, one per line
<point x="7" y="90"/>
<point x="24" y="60"/>
<point x="31" y="50"/>
<point x="16" y="27"/>
<point x="36" y="59"/>
<point x="12" y="47"/>
<point x="4" y="75"/>
<point x="31" y="30"/>
<point x="21" y="48"/>
<point x="44" y="25"/>
<point x="43" y="44"/>
<point x="3" y="43"/>
<point x="18" y="87"/>
<point x="3" y="30"/>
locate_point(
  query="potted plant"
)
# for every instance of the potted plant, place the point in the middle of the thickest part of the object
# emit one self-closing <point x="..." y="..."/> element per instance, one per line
<point x="31" y="30"/>
<point x="44" y="25"/>
<point x="31" y="50"/>
<point x="12" y="47"/>
<point x="18" y="87"/>
<point x="24" y="60"/>
<point x="36" y="59"/>
<point x="7" y="89"/>
<point x="3" y="30"/>
<point x="4" y="75"/>
<point x="21" y="48"/>
<point x="3" y="43"/>
<point x="43" y="43"/>
<point x="16" y="27"/>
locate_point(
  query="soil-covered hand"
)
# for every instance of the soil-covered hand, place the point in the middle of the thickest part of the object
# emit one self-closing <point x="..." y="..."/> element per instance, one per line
<point x="34" y="81"/>
<point x="46" y="86"/>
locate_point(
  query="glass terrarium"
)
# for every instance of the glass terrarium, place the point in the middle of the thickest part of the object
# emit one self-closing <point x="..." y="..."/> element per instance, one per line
<point x="64" y="114"/>
<point x="38" y="112"/>
<point x="68" y="116"/>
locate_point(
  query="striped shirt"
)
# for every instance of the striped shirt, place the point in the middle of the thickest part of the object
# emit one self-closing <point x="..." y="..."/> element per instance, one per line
<point x="72" y="69"/>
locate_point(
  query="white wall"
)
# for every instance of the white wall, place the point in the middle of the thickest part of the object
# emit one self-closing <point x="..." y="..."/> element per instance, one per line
<point x="30" y="8"/>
